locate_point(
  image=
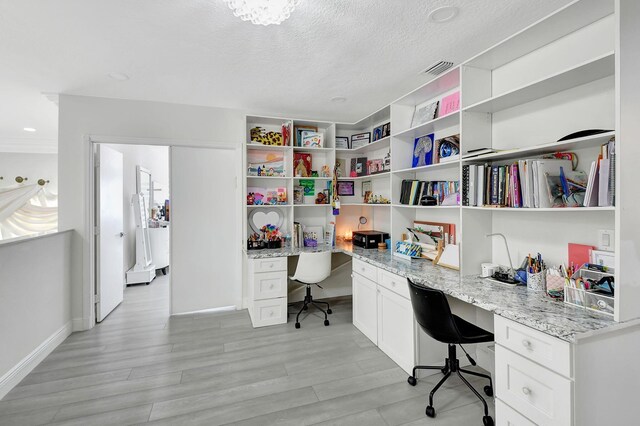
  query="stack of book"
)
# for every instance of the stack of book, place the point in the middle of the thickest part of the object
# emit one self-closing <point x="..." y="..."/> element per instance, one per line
<point x="602" y="178"/>
<point x="412" y="192"/>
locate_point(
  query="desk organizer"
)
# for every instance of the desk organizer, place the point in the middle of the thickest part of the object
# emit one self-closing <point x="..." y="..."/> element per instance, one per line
<point x="592" y="300"/>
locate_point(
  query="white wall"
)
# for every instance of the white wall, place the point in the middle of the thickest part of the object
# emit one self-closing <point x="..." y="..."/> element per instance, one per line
<point x="153" y="158"/>
<point x="31" y="165"/>
<point x="80" y="117"/>
<point x="35" y="311"/>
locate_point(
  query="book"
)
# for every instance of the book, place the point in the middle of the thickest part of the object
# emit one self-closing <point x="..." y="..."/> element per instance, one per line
<point x="311" y="139"/>
<point x="449" y="104"/>
<point x="465" y="185"/>
<point x="493" y="195"/>
<point x="612" y="172"/>
<point x="590" y="196"/>
<point x="423" y="151"/>
<point x="480" y="200"/>
<point x="473" y="192"/>
<point x="424" y="113"/>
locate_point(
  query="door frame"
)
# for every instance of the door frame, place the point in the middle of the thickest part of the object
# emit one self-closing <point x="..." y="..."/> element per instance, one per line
<point x="89" y="249"/>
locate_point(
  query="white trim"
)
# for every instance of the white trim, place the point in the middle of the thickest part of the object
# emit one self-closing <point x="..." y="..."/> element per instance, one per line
<point x="208" y="311"/>
<point x="30" y="146"/>
<point x="31" y="361"/>
<point x="80" y="324"/>
<point x="186" y="143"/>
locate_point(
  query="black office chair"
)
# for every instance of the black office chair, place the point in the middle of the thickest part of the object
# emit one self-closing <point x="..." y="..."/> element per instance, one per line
<point x="432" y="312"/>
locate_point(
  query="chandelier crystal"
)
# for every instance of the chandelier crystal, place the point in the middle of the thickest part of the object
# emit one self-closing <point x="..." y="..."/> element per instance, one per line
<point x="263" y="12"/>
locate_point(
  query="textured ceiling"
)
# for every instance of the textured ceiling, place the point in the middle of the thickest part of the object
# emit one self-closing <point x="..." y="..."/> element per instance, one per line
<point x="197" y="52"/>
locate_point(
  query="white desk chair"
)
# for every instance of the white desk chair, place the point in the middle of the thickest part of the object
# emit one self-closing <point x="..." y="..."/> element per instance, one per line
<point x="312" y="268"/>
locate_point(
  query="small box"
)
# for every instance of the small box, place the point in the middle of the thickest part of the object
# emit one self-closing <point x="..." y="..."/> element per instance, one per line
<point x="369" y="239"/>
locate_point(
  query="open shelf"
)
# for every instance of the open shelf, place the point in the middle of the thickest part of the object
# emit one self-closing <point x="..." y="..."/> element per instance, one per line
<point x="376" y="176"/>
<point x="445" y="165"/>
<point x="261" y="147"/>
<point x="264" y="206"/>
<point x="311" y="149"/>
<point x="312" y="178"/>
<point x="365" y="204"/>
<point x="312" y="205"/>
<point x="586" y="72"/>
<point x="373" y="146"/>
<point x="548" y="148"/>
<point x="432" y="126"/>
<point x="269" y="177"/>
<point x="552" y="209"/>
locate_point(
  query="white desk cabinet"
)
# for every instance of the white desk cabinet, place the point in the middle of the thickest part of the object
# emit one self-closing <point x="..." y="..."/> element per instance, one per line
<point x="382" y="311"/>
<point x="268" y="291"/>
<point x="365" y="310"/>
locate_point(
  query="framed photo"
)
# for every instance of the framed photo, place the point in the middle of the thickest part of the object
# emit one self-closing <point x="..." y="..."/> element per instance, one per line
<point x="342" y="142"/>
<point x="346" y="188"/>
<point x="297" y="133"/>
<point x="424" y="113"/>
<point x="366" y="186"/>
<point x="377" y="133"/>
<point x="423" y="151"/>
<point x="360" y="139"/>
<point x="386" y="130"/>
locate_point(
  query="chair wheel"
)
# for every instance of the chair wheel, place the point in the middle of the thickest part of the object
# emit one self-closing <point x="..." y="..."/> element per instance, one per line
<point x="329" y="311"/>
<point x="305" y="307"/>
<point x="487" y="421"/>
<point x="488" y="390"/>
<point x="326" y="322"/>
<point x="412" y="381"/>
<point x="297" y="325"/>
<point x="444" y="370"/>
<point x="431" y="412"/>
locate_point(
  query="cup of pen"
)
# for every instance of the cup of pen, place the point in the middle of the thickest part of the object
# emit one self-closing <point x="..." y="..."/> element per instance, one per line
<point x="536" y="281"/>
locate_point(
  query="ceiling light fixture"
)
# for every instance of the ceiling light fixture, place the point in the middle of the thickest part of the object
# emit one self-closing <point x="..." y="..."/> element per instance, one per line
<point x="443" y="14"/>
<point x="339" y="99"/>
<point x="118" y="76"/>
<point x="263" y="12"/>
<point x="29" y="129"/>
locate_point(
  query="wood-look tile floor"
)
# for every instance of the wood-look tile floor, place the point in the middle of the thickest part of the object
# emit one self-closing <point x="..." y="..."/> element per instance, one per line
<point x="140" y="366"/>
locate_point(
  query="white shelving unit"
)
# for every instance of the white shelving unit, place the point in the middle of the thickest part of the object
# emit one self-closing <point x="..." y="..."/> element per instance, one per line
<point x="519" y="97"/>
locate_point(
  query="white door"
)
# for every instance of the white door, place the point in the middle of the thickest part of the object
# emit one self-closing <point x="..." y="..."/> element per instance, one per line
<point x="365" y="310"/>
<point x="396" y="328"/>
<point x="110" y="239"/>
<point x="205" y="253"/>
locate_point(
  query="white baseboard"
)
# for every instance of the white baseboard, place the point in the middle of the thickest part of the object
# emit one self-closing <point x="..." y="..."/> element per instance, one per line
<point x="31" y="361"/>
<point x="80" y="324"/>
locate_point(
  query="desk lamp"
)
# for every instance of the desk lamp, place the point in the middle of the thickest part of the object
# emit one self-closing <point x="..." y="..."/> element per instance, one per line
<point x="508" y="278"/>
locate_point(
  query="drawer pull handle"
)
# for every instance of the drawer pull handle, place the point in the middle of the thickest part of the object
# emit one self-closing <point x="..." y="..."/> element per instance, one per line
<point x="526" y="390"/>
<point x="526" y="344"/>
<point x="271" y="287"/>
<point x="271" y="265"/>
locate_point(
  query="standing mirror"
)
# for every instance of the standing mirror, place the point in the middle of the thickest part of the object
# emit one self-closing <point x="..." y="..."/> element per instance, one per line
<point x="144" y="186"/>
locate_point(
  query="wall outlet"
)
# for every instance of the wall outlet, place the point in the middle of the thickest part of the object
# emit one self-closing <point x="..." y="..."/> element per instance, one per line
<point x="606" y="240"/>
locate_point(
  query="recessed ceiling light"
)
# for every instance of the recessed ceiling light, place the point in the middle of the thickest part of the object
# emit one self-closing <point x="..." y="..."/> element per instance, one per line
<point x="443" y="14"/>
<point x="118" y="76"/>
<point x="339" y="99"/>
<point x="29" y="129"/>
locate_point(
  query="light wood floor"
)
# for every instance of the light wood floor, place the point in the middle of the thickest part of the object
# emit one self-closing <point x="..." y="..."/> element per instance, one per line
<point x="140" y="366"/>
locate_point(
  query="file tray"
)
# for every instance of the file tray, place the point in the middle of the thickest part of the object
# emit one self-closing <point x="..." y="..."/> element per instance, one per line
<point x="593" y="300"/>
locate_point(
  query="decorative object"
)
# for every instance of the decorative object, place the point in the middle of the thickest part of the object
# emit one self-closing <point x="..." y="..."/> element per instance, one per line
<point x="261" y="136"/>
<point x="386" y="130"/>
<point x="265" y="163"/>
<point x="261" y="217"/>
<point x="377" y="133"/>
<point x="311" y="139"/>
<point x="424" y="113"/>
<point x="322" y="198"/>
<point x="325" y="171"/>
<point x="342" y="142"/>
<point x="348" y="235"/>
<point x="449" y="104"/>
<point x="386" y="164"/>
<point x="314" y="173"/>
<point x="309" y="187"/>
<point x="286" y="133"/>
<point x="447" y="149"/>
<point x="297" y="131"/>
<point x="301" y="164"/>
<point x="346" y="188"/>
<point x="358" y="167"/>
<point x="374" y="166"/>
<point x="313" y="235"/>
<point x="340" y="167"/>
<point x="423" y="151"/>
<point x="263" y="12"/>
<point x="267" y="197"/>
<point x="298" y="194"/>
<point x="360" y="139"/>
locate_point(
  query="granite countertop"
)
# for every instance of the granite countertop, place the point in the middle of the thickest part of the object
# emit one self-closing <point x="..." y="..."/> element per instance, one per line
<point x="532" y="309"/>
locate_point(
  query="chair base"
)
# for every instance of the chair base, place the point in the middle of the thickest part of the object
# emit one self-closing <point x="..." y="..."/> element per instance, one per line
<point x="308" y="300"/>
<point x="452" y="365"/>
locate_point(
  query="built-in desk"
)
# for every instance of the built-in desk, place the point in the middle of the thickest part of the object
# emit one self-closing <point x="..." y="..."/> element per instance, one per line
<point x="549" y="358"/>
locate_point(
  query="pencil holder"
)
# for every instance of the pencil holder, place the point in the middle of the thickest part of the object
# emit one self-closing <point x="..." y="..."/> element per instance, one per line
<point x="536" y="282"/>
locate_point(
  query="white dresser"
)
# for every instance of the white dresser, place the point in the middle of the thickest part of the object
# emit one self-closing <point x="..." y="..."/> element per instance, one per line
<point x="267" y="291"/>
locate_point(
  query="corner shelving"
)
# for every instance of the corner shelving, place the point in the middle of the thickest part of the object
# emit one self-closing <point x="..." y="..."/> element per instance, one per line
<point x="432" y="126"/>
<point x="373" y="146"/>
<point x="444" y="165"/>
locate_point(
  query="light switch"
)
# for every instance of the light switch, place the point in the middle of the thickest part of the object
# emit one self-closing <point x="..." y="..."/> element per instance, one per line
<point x="605" y="240"/>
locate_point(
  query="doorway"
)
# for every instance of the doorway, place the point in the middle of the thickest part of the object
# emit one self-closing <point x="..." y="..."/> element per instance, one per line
<point x="199" y="206"/>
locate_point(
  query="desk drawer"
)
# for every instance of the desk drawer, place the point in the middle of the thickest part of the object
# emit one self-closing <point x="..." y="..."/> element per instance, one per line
<point x="546" y="350"/>
<point x="366" y="270"/>
<point x="271" y="264"/>
<point x="394" y="283"/>
<point x="269" y="312"/>
<point x="537" y="393"/>
<point x="507" y="416"/>
<point x="269" y="285"/>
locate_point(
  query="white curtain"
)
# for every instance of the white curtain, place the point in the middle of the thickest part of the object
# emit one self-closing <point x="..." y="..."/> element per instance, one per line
<point x="27" y="209"/>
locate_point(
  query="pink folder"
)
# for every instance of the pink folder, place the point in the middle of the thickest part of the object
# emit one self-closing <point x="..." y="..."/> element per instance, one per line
<point x="449" y="104"/>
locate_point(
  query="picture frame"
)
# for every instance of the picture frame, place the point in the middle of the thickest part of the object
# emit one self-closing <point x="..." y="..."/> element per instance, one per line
<point x="297" y="133"/>
<point x="366" y="186"/>
<point x="424" y="113"/>
<point x="377" y="133"/>
<point x="342" y="142"/>
<point x="360" y="139"/>
<point x="346" y="188"/>
<point x="386" y="130"/>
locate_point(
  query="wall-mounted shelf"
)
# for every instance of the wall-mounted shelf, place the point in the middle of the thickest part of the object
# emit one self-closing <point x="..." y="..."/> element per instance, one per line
<point x="373" y="146"/>
<point x="432" y="126"/>
<point x="542" y="210"/>
<point x="260" y="147"/>
<point x="445" y="165"/>
<point x="264" y="206"/>
<point x="364" y="205"/>
<point x="376" y="176"/>
<point x="408" y="206"/>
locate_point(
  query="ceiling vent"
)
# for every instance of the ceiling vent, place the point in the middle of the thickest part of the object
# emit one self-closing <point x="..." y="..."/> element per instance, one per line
<point x="438" y="68"/>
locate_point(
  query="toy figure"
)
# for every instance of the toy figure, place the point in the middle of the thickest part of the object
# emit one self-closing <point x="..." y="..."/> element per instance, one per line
<point x="326" y="172"/>
<point x="250" y="199"/>
<point x="321" y="198"/>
